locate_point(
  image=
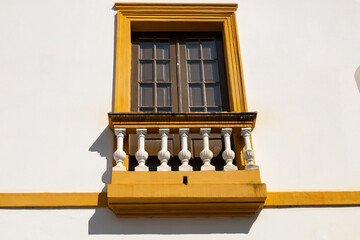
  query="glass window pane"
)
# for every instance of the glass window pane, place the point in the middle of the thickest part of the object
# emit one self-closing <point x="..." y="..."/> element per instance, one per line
<point x="196" y="95"/>
<point x="163" y="71"/>
<point x="164" y="110"/>
<point x="146" y="110"/>
<point x="146" y="49"/>
<point x="194" y="71"/>
<point x="146" y="71"/>
<point x="197" y="109"/>
<point x="193" y="49"/>
<point x="208" y="49"/>
<point x="211" y="71"/>
<point x="162" y="49"/>
<point x="163" y="95"/>
<point x="146" y="95"/>
<point x="212" y="95"/>
<point x="212" y="109"/>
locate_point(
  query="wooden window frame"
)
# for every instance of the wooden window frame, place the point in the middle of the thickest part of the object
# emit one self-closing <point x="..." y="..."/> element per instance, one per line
<point x="135" y="71"/>
<point x="178" y="69"/>
<point x="221" y="68"/>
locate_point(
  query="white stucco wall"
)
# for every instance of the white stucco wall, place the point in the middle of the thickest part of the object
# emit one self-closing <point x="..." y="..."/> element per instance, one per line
<point x="56" y="86"/>
<point x="294" y="223"/>
<point x="56" y="78"/>
<point x="299" y="60"/>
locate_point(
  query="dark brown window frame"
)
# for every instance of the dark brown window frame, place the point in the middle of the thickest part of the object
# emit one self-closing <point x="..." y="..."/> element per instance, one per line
<point x="178" y="68"/>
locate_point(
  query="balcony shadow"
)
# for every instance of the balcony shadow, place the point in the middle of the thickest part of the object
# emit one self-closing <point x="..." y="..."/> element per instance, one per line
<point x="104" y="221"/>
<point x="104" y="146"/>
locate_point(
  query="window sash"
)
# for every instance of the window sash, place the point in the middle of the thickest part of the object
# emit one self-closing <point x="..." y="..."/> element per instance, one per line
<point x="214" y="96"/>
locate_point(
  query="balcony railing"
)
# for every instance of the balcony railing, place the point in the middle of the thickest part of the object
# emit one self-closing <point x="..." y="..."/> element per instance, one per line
<point x="182" y="124"/>
<point x="186" y="192"/>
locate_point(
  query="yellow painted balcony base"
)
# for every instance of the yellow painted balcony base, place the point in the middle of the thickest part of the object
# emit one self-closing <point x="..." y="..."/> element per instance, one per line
<point x="202" y="194"/>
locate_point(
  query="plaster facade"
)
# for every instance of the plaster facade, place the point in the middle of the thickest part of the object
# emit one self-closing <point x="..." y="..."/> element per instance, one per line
<point x="56" y="77"/>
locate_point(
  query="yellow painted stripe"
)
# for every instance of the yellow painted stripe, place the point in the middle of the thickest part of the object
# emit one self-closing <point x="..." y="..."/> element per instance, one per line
<point x="274" y="199"/>
<point x="290" y="199"/>
<point x="53" y="200"/>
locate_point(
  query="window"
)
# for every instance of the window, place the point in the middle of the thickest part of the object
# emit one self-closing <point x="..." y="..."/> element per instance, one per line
<point x="182" y="38"/>
<point x="178" y="72"/>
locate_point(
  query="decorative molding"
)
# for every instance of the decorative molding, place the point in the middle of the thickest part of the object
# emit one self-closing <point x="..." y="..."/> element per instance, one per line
<point x="176" y="7"/>
<point x="194" y="121"/>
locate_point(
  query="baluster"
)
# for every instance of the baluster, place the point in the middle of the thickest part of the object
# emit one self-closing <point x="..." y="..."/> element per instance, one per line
<point x="184" y="154"/>
<point x="119" y="154"/>
<point x="228" y="154"/>
<point x="206" y="154"/>
<point x="141" y="155"/>
<point x="164" y="154"/>
<point x="249" y="155"/>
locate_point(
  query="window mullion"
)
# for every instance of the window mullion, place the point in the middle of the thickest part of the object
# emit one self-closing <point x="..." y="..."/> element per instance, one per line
<point x="203" y="75"/>
<point x="155" y="77"/>
<point x="178" y="75"/>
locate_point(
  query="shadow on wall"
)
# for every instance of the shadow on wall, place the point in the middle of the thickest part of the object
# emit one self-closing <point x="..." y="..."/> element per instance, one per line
<point x="104" y="146"/>
<point x="104" y="143"/>
<point x="357" y="78"/>
<point x="104" y="221"/>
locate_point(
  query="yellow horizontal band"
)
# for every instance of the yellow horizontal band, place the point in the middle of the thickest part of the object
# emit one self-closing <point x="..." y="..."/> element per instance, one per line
<point x="274" y="199"/>
<point x="333" y="198"/>
<point x="19" y="200"/>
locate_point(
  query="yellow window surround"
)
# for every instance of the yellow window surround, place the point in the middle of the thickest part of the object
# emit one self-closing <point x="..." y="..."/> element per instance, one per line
<point x="150" y="17"/>
<point x="163" y="194"/>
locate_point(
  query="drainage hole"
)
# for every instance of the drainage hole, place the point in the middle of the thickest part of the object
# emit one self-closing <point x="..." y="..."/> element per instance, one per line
<point x="185" y="180"/>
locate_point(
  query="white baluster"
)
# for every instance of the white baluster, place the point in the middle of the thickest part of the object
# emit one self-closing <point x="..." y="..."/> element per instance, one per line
<point x="164" y="154"/>
<point x="119" y="154"/>
<point x="249" y="155"/>
<point x="184" y="154"/>
<point x="206" y="154"/>
<point x="228" y="154"/>
<point x="141" y="155"/>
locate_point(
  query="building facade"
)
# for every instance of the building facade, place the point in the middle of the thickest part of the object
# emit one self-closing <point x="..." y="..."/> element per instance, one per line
<point x="63" y="71"/>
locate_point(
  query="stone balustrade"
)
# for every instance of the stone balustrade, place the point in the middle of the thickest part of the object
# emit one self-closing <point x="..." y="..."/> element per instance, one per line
<point x="184" y="155"/>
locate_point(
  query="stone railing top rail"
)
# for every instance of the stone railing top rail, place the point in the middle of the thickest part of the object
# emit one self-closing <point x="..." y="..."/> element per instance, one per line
<point x="194" y="121"/>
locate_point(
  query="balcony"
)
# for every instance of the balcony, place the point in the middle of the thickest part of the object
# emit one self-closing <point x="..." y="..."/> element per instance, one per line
<point x="188" y="191"/>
